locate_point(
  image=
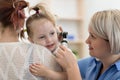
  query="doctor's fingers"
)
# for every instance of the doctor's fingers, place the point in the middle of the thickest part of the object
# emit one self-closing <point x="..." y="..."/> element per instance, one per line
<point x="59" y="53"/>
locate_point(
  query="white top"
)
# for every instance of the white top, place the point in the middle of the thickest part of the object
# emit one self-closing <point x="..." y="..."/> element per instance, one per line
<point x="15" y="58"/>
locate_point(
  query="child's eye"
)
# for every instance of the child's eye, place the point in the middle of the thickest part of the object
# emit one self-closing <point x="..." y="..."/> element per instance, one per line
<point x="52" y="33"/>
<point x="41" y="37"/>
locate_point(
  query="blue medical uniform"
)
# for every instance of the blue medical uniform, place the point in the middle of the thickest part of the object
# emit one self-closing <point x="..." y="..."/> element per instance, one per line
<point x="90" y="68"/>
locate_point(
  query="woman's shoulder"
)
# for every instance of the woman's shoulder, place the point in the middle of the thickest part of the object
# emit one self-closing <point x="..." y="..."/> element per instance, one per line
<point x="84" y="64"/>
<point x="23" y="46"/>
<point x="85" y="60"/>
<point x="46" y="57"/>
<point x="39" y="48"/>
<point x="32" y="46"/>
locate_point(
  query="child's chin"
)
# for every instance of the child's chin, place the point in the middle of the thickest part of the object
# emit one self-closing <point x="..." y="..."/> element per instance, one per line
<point x="52" y="50"/>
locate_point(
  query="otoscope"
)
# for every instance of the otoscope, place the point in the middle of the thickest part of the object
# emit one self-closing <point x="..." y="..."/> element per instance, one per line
<point x="64" y="40"/>
<point x="63" y="36"/>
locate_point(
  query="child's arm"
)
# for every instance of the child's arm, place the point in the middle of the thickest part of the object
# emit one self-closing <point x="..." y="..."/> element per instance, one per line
<point x="41" y="70"/>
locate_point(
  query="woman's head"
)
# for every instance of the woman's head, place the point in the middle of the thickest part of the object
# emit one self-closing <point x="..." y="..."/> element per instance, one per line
<point x="12" y="13"/>
<point x="105" y="25"/>
<point x="41" y="27"/>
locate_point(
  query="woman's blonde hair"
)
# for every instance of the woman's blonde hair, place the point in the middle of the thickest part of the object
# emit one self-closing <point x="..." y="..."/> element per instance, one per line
<point x="106" y="24"/>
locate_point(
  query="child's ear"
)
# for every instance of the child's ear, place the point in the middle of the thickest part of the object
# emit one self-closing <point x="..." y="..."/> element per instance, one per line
<point x="59" y="31"/>
<point x="30" y="40"/>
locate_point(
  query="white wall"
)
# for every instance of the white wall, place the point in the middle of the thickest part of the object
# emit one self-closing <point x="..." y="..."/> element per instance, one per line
<point x="91" y="6"/>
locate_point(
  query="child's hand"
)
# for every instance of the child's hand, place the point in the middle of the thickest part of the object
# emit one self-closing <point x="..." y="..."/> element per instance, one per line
<point x="42" y="71"/>
<point x="38" y="69"/>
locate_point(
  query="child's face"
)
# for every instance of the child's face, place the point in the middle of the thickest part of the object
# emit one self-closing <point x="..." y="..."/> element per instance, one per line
<point x="44" y="33"/>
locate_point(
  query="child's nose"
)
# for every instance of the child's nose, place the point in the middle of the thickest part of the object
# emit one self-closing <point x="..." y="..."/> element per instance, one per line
<point x="49" y="39"/>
